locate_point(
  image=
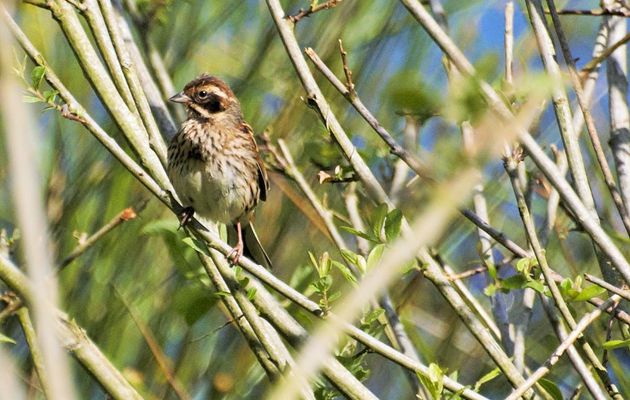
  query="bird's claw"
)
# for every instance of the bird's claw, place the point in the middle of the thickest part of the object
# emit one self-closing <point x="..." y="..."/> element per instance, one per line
<point x="185" y="216"/>
<point x="236" y="253"/>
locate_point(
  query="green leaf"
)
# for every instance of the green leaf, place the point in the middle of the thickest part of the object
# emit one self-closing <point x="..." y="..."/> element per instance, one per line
<point x="392" y="224"/>
<point x="359" y="233"/>
<point x="514" y="282"/>
<point x="490" y="290"/>
<point x="251" y="293"/>
<point x="434" y="381"/>
<point x="222" y="294"/>
<point x="551" y="388"/>
<point x="372" y="316"/>
<point x="196" y="245"/>
<point x="5" y="339"/>
<point x="50" y="95"/>
<point x="37" y="74"/>
<point x="345" y="271"/>
<point x="536" y="285"/>
<point x="375" y="256"/>
<point x="487" y="378"/>
<point x="378" y="220"/>
<point x="588" y="293"/>
<point x="314" y="262"/>
<point x="615" y="344"/>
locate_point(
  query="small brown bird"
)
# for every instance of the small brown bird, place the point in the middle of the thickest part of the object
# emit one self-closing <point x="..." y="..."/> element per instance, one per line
<point x="214" y="165"/>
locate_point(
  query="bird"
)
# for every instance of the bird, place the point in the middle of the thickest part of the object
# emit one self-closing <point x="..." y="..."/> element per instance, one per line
<point x="215" y="166"/>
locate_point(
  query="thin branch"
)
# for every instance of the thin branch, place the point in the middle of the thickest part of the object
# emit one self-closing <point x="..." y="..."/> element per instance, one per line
<point x="312" y="9"/>
<point x="412" y="161"/>
<point x="158" y="353"/>
<point x="619" y="115"/>
<point x="597" y="60"/>
<point x="555" y="356"/>
<point x="574" y="355"/>
<point x="624" y="293"/>
<point x="595" y="12"/>
<point x="84" y="244"/>
<point x="33" y="346"/>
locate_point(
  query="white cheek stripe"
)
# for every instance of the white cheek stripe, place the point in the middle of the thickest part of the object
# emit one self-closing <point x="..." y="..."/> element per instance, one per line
<point x="200" y="110"/>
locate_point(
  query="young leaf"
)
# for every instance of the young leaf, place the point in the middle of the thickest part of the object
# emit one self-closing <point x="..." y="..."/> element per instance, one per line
<point x="375" y="255"/>
<point x="487" y="378"/>
<point x="551" y="388"/>
<point x="359" y="233"/>
<point x="345" y="271"/>
<point x="379" y="220"/>
<point x="30" y="99"/>
<point x="588" y="293"/>
<point x="37" y="74"/>
<point x="392" y="224"/>
<point x="615" y="344"/>
<point x="6" y="339"/>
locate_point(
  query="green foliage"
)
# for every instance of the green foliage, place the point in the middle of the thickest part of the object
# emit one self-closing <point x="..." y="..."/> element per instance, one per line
<point x="433" y="381"/>
<point x="5" y="339"/>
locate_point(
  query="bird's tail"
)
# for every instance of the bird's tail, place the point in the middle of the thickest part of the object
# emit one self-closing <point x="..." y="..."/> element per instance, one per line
<point x="253" y="249"/>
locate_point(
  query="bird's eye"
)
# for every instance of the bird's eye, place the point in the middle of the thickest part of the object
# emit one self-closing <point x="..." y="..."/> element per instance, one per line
<point x="202" y="94"/>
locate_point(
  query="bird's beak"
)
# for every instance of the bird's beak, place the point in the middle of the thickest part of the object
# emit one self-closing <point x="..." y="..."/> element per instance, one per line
<point x="180" y="98"/>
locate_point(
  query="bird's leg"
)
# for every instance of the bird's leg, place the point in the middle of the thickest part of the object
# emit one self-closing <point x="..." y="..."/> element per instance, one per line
<point x="185" y="216"/>
<point x="237" y="251"/>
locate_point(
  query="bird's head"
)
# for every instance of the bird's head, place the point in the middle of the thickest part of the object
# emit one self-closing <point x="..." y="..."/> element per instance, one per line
<point x="208" y="97"/>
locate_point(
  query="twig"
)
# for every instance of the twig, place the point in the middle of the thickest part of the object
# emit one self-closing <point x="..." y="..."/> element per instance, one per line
<point x="346" y="70"/>
<point x="33" y="346"/>
<point x="596" y="12"/>
<point x="624" y="293"/>
<point x="158" y="354"/>
<point x="555" y="356"/>
<point x="132" y="78"/>
<point x="597" y="60"/>
<point x="412" y="161"/>
<point x="123" y="216"/>
<point x="312" y="9"/>
<point x="393" y="328"/>
<point x="574" y="355"/>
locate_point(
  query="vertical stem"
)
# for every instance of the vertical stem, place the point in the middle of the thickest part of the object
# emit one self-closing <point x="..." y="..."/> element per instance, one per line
<point x="33" y="346"/>
<point x="617" y="72"/>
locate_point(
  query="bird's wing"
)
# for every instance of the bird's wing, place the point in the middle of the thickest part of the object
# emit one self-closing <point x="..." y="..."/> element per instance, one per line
<point x="263" y="180"/>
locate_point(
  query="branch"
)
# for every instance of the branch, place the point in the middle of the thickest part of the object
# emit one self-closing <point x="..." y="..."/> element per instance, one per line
<point x="596" y="12"/>
<point x="624" y="293"/>
<point x="570" y="339"/>
<point x="123" y="216"/>
<point x="312" y="9"/>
